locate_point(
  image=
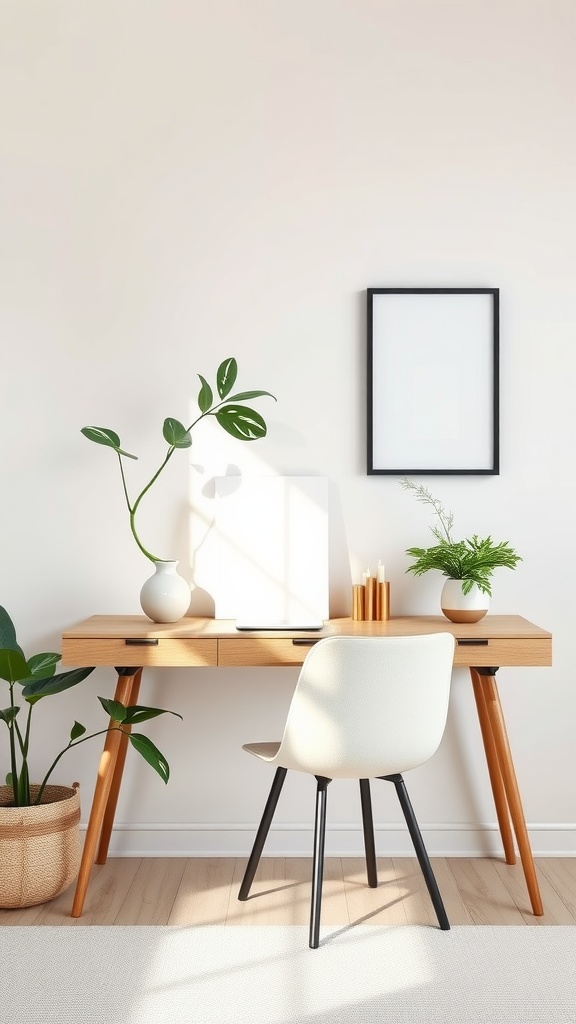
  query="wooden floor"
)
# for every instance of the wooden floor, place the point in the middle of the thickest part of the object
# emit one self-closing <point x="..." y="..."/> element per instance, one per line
<point x="182" y="891"/>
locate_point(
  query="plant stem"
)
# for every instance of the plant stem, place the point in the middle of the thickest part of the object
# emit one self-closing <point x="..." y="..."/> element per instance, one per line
<point x="120" y="463"/>
<point x="169" y="455"/>
<point x="132" y="509"/>
<point x="13" y="766"/>
<point x="209" y="412"/>
<point x="21" y="788"/>
<point x="26" y="742"/>
<point x="446" y="519"/>
<point x="101" y="732"/>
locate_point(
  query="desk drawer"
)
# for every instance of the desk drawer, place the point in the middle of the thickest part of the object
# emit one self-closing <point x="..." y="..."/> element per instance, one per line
<point x="263" y="651"/>
<point x="481" y="653"/>
<point x="147" y="652"/>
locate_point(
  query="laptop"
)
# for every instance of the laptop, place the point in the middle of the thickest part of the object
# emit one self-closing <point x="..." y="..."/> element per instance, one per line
<point x="255" y="624"/>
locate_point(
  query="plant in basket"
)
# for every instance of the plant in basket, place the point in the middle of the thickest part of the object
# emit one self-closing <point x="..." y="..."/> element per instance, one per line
<point x="39" y="821"/>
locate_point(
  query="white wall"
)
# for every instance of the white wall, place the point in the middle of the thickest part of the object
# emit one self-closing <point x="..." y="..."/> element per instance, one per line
<point x="184" y="181"/>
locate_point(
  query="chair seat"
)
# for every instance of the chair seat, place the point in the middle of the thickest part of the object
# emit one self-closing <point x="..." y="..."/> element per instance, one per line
<point x="265" y="751"/>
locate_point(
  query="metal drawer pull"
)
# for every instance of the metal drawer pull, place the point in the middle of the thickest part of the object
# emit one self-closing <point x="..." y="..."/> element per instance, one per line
<point x="472" y="642"/>
<point x="302" y="642"/>
<point x="134" y="641"/>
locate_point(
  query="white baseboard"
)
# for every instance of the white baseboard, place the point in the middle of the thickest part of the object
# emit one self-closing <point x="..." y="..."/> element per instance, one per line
<point x="145" y="839"/>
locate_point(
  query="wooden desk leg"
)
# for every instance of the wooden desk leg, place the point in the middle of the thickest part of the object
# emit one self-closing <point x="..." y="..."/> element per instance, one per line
<point x="112" y="801"/>
<point x="101" y="793"/>
<point x="504" y="754"/>
<point x="494" y="772"/>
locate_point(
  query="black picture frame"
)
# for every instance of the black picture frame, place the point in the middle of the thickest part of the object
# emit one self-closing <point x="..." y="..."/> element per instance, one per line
<point x="433" y="381"/>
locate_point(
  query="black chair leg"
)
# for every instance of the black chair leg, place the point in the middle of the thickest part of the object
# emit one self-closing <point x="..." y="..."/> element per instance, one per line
<point x="262" y="833"/>
<point x="318" y="862"/>
<point x="368" y="827"/>
<point x="421" y="853"/>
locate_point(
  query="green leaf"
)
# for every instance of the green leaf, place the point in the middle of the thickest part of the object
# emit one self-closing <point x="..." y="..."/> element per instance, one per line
<point x="101" y="435"/>
<point x="43" y="665"/>
<point x="9" y="779"/>
<point x="226" y="376"/>
<point x="175" y="433"/>
<point x="139" y="713"/>
<point x="472" y="560"/>
<point x="243" y="396"/>
<point x="114" y="708"/>
<point x="151" y="754"/>
<point x="13" y="666"/>
<point x="38" y="688"/>
<point x="205" y="396"/>
<point x="244" y="424"/>
<point x="8" y="633"/>
<point x="9" y="714"/>
<point x="77" y="730"/>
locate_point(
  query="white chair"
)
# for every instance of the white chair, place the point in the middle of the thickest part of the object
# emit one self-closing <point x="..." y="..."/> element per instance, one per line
<point x="363" y="707"/>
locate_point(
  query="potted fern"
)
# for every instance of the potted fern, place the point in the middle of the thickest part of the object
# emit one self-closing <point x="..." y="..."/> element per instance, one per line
<point x="39" y="836"/>
<point x="165" y="596"/>
<point x="468" y="564"/>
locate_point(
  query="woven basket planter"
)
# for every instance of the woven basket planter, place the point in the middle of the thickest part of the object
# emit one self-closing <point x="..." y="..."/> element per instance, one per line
<point x="39" y="846"/>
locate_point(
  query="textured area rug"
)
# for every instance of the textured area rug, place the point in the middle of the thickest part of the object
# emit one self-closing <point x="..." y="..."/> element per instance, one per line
<point x="268" y="975"/>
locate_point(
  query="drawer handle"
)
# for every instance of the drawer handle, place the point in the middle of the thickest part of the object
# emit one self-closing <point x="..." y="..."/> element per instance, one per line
<point x="302" y="642"/>
<point x="471" y="642"/>
<point x="134" y="641"/>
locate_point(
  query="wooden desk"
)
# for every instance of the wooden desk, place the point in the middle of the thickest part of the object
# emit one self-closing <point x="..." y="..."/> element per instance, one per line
<point x="130" y="643"/>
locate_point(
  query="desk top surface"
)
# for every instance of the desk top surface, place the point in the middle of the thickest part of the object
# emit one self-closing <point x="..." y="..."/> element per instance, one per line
<point x="491" y="627"/>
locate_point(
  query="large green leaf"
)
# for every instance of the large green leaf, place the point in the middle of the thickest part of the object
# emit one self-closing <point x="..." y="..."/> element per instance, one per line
<point x="102" y="435"/>
<point x="151" y="754"/>
<point x="37" y="688"/>
<point x="243" y="423"/>
<point x="175" y="433"/>
<point x="205" y="396"/>
<point x="8" y="632"/>
<point x="226" y="376"/>
<point x="136" y="713"/>
<point x="40" y="666"/>
<point x="13" y="666"/>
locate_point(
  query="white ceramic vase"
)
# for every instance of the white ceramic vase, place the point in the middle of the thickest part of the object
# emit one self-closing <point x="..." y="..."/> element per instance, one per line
<point x="165" y="596"/>
<point x="460" y="607"/>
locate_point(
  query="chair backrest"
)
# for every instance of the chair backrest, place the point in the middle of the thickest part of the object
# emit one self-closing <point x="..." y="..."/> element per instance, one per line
<point x="368" y="706"/>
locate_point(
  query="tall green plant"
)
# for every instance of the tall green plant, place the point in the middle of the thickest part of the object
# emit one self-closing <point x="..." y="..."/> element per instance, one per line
<point x="233" y="416"/>
<point x="35" y="678"/>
